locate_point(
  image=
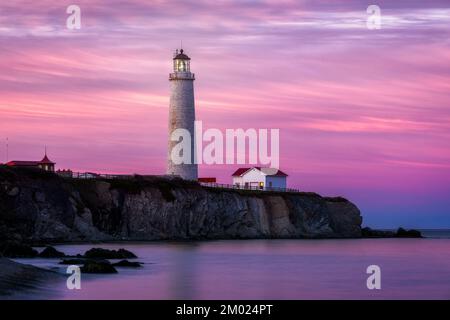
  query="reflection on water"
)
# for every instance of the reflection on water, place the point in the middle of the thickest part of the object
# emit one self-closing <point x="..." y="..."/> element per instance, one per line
<point x="267" y="269"/>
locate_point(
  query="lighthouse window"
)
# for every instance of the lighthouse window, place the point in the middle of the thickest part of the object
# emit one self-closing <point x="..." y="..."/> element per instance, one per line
<point x="181" y="66"/>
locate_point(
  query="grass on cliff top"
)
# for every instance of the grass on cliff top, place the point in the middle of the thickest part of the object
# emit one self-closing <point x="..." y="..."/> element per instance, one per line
<point x="164" y="185"/>
<point x="258" y="193"/>
<point x="138" y="183"/>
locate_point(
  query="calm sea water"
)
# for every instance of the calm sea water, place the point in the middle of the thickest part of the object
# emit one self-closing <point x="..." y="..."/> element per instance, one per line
<point x="266" y="269"/>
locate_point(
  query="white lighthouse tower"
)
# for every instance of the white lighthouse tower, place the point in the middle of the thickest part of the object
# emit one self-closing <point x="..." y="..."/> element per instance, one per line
<point x="182" y="114"/>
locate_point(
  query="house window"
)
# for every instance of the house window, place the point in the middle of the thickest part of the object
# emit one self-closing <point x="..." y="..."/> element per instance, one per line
<point x="270" y="184"/>
<point x="261" y="185"/>
<point x="246" y="185"/>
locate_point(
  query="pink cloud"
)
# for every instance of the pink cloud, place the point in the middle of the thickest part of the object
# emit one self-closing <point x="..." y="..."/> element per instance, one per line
<point x="359" y="111"/>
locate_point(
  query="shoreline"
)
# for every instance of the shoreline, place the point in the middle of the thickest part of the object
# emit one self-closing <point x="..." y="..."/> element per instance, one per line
<point x="16" y="277"/>
<point x="372" y="234"/>
<point x="159" y="241"/>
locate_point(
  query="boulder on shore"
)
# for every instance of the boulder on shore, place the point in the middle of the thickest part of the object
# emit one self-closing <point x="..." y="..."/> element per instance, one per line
<point x="95" y="266"/>
<point x="50" y="252"/>
<point x="14" y="249"/>
<point x="371" y="233"/>
<point x="99" y="253"/>
<point x="402" y="233"/>
<point x="126" y="263"/>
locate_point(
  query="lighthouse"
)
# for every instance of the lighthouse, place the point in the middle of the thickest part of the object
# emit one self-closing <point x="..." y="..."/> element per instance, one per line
<point x="182" y="116"/>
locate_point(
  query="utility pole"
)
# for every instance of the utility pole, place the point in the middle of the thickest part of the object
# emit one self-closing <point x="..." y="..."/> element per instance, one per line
<point x="7" y="149"/>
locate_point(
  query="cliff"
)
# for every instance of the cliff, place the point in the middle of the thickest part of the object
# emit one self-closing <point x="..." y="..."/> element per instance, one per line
<point x="38" y="206"/>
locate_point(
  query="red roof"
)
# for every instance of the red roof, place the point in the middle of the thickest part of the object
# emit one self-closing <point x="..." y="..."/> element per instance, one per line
<point x="239" y="172"/>
<point x="46" y="160"/>
<point x="207" y="179"/>
<point x="16" y="163"/>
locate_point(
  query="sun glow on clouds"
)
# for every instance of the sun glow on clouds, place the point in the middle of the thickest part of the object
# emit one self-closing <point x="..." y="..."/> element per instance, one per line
<point x="363" y="114"/>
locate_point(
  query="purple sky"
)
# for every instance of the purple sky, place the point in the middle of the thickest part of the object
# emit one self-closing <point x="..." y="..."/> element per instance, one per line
<point x="362" y="113"/>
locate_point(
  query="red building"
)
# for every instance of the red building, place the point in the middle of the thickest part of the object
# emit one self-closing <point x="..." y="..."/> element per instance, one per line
<point x="207" y="180"/>
<point x="44" y="164"/>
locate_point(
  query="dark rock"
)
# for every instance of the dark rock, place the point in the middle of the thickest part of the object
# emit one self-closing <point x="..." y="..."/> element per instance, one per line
<point x="99" y="253"/>
<point x="92" y="266"/>
<point x="13" y="192"/>
<point x="13" y="249"/>
<point x="39" y="197"/>
<point x="371" y="233"/>
<point x="402" y="233"/>
<point x="126" y="263"/>
<point x="50" y="252"/>
<point x="126" y="254"/>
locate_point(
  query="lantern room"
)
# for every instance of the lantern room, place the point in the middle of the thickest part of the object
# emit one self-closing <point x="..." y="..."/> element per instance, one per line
<point x="181" y="62"/>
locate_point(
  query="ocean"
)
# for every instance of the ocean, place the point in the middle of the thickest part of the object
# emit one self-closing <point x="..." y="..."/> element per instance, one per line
<point x="265" y="269"/>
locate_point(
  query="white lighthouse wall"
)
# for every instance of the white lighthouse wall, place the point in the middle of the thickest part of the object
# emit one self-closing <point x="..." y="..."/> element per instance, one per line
<point x="182" y="108"/>
<point x="182" y="116"/>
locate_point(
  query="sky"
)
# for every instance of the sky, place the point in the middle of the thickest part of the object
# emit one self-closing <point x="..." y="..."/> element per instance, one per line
<point x="363" y="114"/>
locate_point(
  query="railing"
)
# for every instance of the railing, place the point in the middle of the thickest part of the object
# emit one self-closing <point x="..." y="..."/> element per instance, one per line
<point x="182" y="76"/>
<point x="243" y="187"/>
<point x="91" y="175"/>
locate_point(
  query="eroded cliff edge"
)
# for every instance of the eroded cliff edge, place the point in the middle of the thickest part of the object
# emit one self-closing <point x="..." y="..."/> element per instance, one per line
<point x="40" y="206"/>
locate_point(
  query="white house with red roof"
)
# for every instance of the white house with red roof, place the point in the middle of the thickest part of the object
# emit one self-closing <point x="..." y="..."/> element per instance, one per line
<point x="260" y="178"/>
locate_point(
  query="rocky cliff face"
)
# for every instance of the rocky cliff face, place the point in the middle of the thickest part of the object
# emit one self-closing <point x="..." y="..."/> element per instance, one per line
<point x="39" y="206"/>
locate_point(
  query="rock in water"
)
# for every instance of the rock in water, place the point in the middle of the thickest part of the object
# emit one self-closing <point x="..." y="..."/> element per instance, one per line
<point x="126" y="263"/>
<point x="371" y="233"/>
<point x="126" y="254"/>
<point x="99" y="253"/>
<point x="13" y="249"/>
<point x="91" y="266"/>
<point x="50" y="252"/>
<point x="402" y="233"/>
